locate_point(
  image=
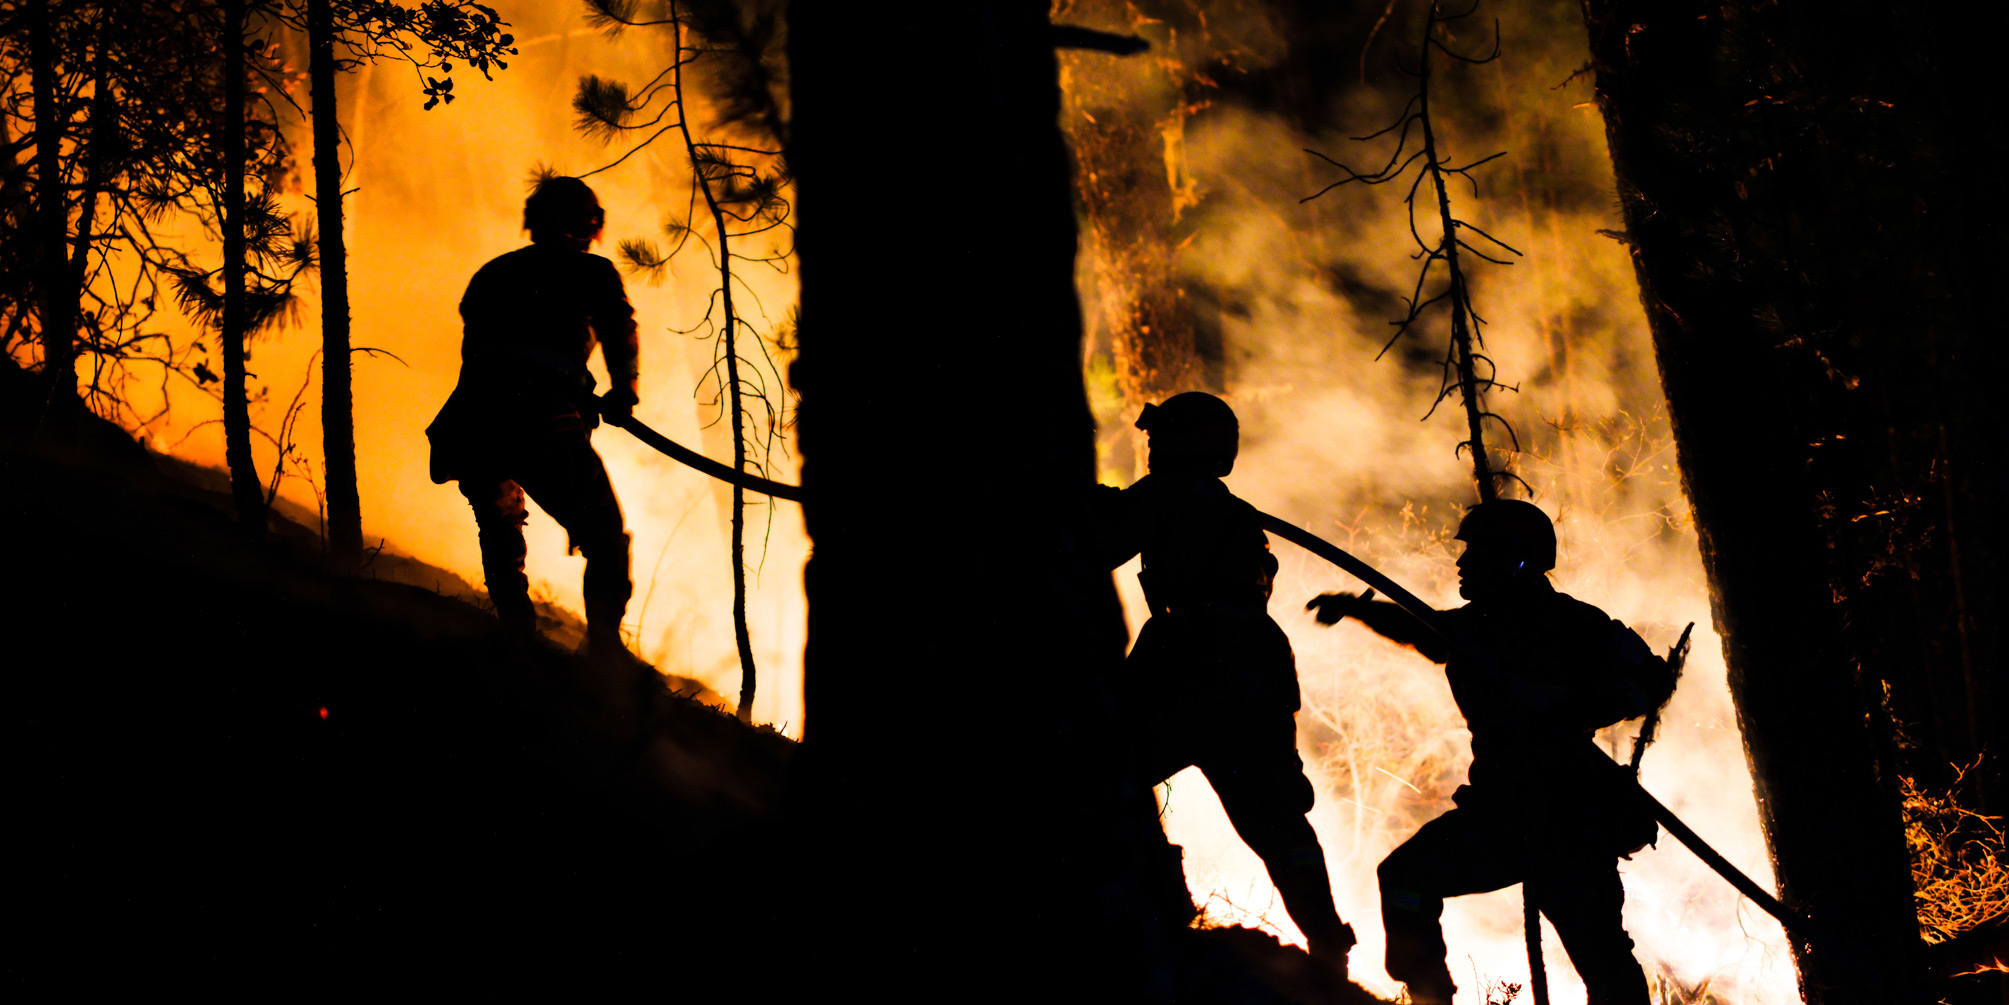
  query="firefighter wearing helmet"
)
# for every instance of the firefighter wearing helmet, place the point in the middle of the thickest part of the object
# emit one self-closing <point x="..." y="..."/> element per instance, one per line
<point x="1533" y="811"/>
<point x="520" y="419"/>
<point x="1213" y="674"/>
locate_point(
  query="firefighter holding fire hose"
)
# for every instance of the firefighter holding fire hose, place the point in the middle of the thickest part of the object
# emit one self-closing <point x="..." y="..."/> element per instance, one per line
<point x="1214" y="674"/>
<point x="521" y="417"/>
<point x="1534" y="811"/>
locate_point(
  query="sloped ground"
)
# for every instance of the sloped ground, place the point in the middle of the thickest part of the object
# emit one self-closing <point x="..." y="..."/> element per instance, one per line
<point x="234" y="770"/>
<point x="230" y="765"/>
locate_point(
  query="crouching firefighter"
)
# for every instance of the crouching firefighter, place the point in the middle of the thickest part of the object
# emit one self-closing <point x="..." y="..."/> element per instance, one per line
<point x="1540" y="807"/>
<point x="1213" y="674"/>
<point x="521" y="417"/>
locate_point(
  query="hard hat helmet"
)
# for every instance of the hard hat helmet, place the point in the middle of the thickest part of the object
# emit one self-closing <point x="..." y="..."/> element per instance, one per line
<point x="1201" y="425"/>
<point x="1518" y="528"/>
<point x="563" y="207"/>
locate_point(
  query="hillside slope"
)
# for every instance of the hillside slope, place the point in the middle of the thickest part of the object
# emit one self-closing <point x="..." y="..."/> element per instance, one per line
<point x="232" y="768"/>
<point x="231" y="763"/>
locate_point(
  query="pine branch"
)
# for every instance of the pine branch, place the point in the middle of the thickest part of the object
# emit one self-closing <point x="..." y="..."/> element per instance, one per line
<point x="737" y="191"/>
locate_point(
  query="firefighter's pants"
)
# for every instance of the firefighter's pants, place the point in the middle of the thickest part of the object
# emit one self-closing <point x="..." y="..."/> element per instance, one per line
<point x="1252" y="763"/>
<point x="564" y="475"/>
<point x="1575" y="885"/>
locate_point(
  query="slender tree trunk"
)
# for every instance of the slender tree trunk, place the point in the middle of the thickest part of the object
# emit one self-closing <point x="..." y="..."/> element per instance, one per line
<point x="1462" y="325"/>
<point x="939" y="784"/>
<point x="741" y="636"/>
<point x="58" y="300"/>
<point x="245" y="489"/>
<point x="104" y="132"/>
<point x="338" y="423"/>
<point x="1771" y="203"/>
<point x="735" y="404"/>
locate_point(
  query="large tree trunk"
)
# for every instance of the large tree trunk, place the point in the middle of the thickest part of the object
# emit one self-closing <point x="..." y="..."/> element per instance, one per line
<point x="971" y="838"/>
<point x="245" y="490"/>
<point x="338" y="423"/>
<point x="58" y="300"/>
<point x="1815" y="271"/>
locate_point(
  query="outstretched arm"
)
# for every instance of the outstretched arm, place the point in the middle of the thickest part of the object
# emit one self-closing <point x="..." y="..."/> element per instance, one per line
<point x="1385" y="619"/>
<point x="614" y="325"/>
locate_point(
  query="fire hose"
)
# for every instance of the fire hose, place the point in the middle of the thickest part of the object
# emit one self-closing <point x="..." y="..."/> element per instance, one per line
<point x="1792" y="920"/>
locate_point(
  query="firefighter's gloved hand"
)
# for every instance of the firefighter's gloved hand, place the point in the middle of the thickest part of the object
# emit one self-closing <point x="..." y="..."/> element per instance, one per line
<point x="1331" y="608"/>
<point x="618" y="405"/>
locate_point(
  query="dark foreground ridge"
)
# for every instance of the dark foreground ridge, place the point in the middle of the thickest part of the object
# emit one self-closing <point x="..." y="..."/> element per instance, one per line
<point x="234" y="765"/>
<point x="235" y="768"/>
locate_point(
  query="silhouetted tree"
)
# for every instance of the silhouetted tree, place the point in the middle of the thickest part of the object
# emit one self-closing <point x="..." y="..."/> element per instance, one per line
<point x="950" y="597"/>
<point x="429" y="37"/>
<point x="125" y="113"/>
<point x="136" y="91"/>
<point x="1468" y="372"/>
<point x="238" y="141"/>
<point x="51" y="212"/>
<point x="1818" y="271"/>
<point x="230" y="212"/>
<point x="738" y="193"/>
<point x="1463" y="360"/>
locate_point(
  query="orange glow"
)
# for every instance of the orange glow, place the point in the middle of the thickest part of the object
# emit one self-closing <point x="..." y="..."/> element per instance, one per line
<point x="1331" y="438"/>
<point x="441" y="192"/>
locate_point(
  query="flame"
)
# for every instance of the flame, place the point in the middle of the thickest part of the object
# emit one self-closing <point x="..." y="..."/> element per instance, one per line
<point x="441" y="192"/>
<point x="1331" y="438"/>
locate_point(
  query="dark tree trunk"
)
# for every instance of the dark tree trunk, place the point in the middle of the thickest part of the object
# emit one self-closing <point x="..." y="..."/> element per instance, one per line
<point x="58" y="300"/>
<point x="245" y="489"/>
<point x="338" y="423"/>
<point x="955" y="806"/>
<point x="1816" y="271"/>
<point x="104" y="133"/>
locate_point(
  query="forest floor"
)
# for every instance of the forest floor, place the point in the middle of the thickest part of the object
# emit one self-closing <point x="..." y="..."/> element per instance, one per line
<point x="236" y="769"/>
<point x="232" y="764"/>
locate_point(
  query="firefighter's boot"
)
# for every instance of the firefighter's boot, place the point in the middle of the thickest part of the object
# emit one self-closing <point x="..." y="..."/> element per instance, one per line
<point x="1306" y="890"/>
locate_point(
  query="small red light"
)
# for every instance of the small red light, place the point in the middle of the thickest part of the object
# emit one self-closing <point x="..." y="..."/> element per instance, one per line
<point x="324" y="711"/>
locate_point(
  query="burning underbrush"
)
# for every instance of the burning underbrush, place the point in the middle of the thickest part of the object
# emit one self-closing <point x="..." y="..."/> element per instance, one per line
<point x="1956" y="861"/>
<point x="1294" y="301"/>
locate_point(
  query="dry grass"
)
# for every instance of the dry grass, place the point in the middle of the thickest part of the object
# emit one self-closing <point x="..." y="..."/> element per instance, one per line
<point x="1956" y="859"/>
<point x="1668" y="989"/>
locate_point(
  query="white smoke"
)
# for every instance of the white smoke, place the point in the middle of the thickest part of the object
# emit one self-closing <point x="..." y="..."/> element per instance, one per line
<point x="1336" y="441"/>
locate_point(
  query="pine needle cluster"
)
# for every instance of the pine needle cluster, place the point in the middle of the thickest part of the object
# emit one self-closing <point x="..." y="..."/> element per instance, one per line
<point x="736" y="208"/>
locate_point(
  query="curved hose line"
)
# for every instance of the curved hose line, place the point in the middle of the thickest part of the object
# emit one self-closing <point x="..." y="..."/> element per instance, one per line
<point x="1429" y="616"/>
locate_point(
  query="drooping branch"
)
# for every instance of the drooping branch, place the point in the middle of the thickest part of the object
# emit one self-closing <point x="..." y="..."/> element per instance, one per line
<point x="730" y="199"/>
<point x="1416" y="146"/>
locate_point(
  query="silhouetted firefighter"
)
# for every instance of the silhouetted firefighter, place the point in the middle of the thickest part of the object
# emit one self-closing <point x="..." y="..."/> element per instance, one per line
<point x="1215" y="676"/>
<point x="1537" y="810"/>
<point x="523" y="414"/>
